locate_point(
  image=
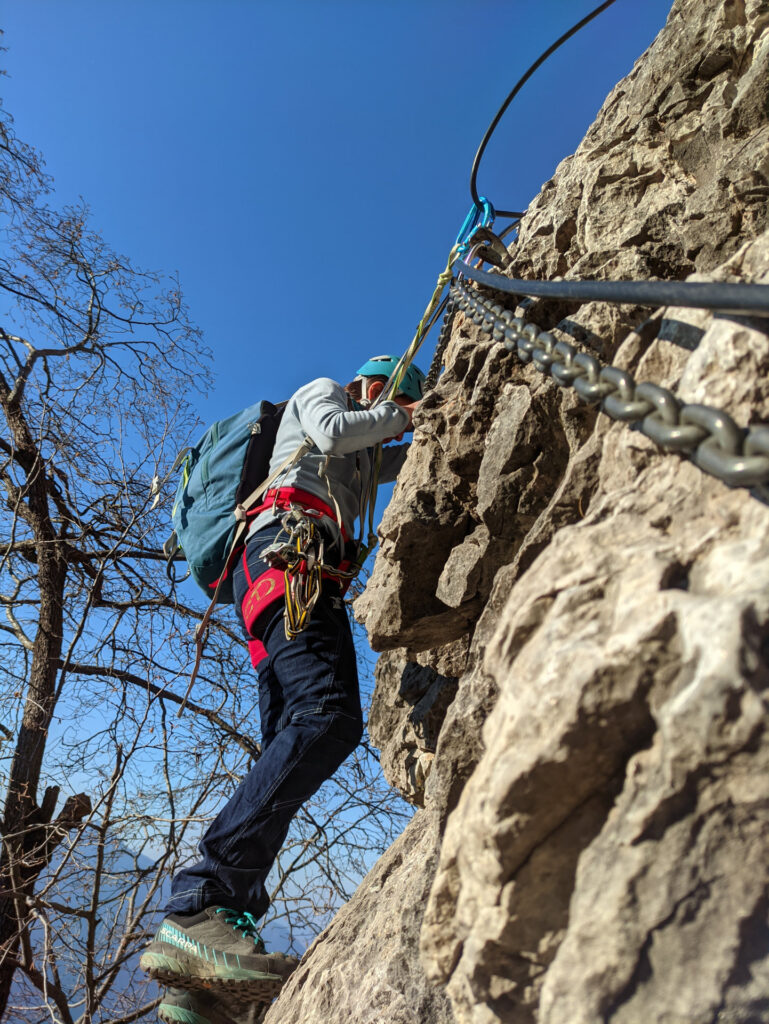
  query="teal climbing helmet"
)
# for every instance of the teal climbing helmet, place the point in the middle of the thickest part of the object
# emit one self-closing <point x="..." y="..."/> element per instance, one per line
<point x="412" y="385"/>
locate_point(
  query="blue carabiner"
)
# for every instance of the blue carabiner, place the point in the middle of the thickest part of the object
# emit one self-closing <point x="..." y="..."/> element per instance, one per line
<point x="482" y="215"/>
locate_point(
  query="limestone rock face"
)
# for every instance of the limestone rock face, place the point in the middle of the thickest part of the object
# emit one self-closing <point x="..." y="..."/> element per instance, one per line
<point x="364" y="968"/>
<point x="626" y="658"/>
<point x="408" y="711"/>
<point x="622" y="684"/>
<point x="575" y="679"/>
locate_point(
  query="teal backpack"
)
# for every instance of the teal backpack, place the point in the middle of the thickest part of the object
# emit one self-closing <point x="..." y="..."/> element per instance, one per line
<point x="223" y="477"/>
<point x="219" y="475"/>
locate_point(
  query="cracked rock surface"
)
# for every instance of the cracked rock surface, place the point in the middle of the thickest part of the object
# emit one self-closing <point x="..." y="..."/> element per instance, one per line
<point x="574" y="683"/>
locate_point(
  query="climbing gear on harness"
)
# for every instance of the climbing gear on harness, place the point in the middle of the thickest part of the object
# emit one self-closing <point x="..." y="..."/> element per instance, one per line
<point x="300" y="559"/>
<point x="287" y="498"/>
<point x="297" y="564"/>
<point x="412" y="383"/>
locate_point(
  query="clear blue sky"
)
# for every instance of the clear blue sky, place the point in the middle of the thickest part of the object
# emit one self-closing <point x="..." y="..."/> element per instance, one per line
<point x="302" y="164"/>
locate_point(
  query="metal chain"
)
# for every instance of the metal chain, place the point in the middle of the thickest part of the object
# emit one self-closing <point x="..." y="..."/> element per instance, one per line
<point x="443" y="339"/>
<point x="709" y="436"/>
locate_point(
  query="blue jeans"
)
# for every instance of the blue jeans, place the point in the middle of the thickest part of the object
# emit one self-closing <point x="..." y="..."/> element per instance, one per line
<point x="309" y="705"/>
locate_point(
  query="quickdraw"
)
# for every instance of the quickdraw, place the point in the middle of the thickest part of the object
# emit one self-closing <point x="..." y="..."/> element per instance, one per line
<point x="300" y="558"/>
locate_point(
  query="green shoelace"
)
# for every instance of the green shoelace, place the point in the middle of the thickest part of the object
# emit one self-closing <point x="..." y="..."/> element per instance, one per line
<point x="242" y="922"/>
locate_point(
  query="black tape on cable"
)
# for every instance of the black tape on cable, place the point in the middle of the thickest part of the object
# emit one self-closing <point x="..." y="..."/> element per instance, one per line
<point x="741" y="299"/>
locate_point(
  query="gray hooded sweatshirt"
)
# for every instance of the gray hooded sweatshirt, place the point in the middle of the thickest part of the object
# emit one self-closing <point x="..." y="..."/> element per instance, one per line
<point x="340" y="463"/>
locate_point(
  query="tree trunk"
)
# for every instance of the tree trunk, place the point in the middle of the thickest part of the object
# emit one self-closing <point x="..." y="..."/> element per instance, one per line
<point x="27" y="838"/>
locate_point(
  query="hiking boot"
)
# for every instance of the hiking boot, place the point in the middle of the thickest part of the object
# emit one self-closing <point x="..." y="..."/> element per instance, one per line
<point x="185" y="1006"/>
<point x="217" y="950"/>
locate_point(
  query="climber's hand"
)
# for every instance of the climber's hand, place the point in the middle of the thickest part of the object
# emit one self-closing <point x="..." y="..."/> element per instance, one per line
<point x="410" y="407"/>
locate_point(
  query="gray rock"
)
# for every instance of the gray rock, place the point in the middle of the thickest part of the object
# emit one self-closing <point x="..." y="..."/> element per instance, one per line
<point x="364" y="968"/>
<point x="631" y="666"/>
<point x="437" y="485"/>
<point x="407" y="712"/>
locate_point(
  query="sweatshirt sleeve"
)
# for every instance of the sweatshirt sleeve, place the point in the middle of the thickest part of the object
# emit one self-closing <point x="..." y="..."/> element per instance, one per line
<point x="322" y="410"/>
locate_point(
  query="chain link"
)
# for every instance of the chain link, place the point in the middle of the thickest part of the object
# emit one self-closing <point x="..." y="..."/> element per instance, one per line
<point x="708" y="435"/>
<point x="443" y="340"/>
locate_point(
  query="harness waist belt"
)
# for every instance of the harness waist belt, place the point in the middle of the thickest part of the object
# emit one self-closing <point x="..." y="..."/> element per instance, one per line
<point x="269" y="586"/>
<point x="285" y="497"/>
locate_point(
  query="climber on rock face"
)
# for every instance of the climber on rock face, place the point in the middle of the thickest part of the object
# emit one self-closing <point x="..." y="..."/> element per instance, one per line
<point x="304" y="656"/>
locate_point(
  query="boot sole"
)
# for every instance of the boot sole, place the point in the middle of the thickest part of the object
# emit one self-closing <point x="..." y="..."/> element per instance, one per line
<point x="236" y="982"/>
<point x="252" y="1011"/>
<point x="180" y="1015"/>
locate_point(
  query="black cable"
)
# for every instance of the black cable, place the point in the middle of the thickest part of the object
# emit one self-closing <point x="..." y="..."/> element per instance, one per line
<point x="436" y="315"/>
<point x="516" y="89"/>
<point x="742" y="298"/>
<point x="510" y="227"/>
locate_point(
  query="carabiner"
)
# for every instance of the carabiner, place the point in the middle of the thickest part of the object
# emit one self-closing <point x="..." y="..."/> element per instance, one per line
<point x="482" y="215"/>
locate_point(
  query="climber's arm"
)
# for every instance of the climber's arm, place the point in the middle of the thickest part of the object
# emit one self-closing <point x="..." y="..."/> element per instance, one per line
<point x="324" y="415"/>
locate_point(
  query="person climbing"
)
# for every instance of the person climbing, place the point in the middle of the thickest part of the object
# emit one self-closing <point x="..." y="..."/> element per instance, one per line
<point x="309" y="702"/>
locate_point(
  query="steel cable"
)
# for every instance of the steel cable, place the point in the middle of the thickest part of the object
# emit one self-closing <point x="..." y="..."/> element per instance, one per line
<point x="747" y="299"/>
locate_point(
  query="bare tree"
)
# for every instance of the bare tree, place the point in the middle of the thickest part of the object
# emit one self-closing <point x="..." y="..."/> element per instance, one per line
<point x="105" y="790"/>
<point x="95" y="366"/>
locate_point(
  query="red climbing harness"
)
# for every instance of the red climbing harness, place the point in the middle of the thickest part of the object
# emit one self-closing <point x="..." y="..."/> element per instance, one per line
<point x="276" y="583"/>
